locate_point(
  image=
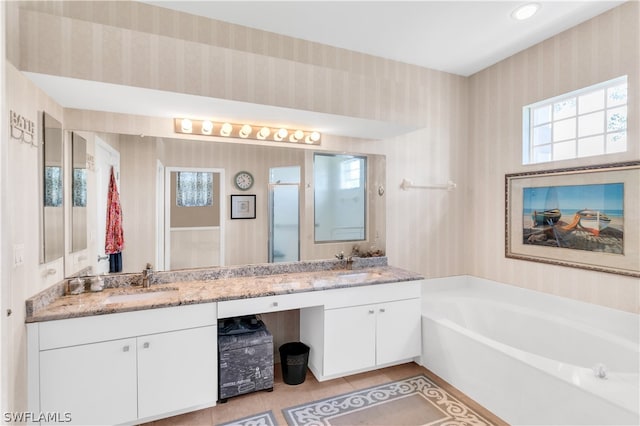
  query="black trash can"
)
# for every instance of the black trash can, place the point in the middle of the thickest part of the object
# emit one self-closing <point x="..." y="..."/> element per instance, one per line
<point x="294" y="358"/>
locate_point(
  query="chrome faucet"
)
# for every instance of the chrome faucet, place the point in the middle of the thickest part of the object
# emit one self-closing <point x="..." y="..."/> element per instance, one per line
<point x="147" y="273"/>
<point x="349" y="259"/>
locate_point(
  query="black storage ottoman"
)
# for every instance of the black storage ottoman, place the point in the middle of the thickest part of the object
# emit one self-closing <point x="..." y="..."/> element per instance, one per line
<point x="245" y="363"/>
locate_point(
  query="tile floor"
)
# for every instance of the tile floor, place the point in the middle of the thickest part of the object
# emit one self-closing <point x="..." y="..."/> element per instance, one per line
<point x="284" y="396"/>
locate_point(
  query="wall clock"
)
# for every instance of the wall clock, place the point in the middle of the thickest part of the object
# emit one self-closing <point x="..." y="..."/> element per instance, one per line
<point x="243" y="180"/>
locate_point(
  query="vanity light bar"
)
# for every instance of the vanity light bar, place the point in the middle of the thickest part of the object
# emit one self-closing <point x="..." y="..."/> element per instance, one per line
<point x="245" y="131"/>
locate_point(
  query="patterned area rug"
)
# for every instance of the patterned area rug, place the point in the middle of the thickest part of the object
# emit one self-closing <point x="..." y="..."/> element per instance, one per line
<point x="260" y="419"/>
<point x="413" y="401"/>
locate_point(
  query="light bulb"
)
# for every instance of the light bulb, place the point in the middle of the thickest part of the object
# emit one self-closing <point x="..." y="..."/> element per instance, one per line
<point x="245" y="131"/>
<point x="264" y="133"/>
<point x="226" y="129"/>
<point x="282" y="133"/>
<point x="312" y="138"/>
<point x="186" y="125"/>
<point x="207" y="127"/>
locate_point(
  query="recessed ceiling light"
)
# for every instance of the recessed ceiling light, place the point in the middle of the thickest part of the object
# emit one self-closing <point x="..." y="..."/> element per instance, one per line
<point x="525" y="11"/>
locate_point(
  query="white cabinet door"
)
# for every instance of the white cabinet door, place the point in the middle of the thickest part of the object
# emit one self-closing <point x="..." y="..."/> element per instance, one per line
<point x="94" y="383"/>
<point x="350" y="339"/>
<point x="398" y="331"/>
<point x="177" y="370"/>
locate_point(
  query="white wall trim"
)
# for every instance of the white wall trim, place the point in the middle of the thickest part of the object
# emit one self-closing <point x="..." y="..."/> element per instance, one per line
<point x="195" y="228"/>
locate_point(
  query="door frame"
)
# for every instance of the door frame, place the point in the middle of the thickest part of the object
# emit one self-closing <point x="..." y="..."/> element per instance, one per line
<point x="167" y="208"/>
<point x="101" y="144"/>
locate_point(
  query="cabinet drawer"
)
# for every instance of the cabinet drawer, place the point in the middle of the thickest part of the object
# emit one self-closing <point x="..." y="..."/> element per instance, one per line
<point x="366" y="295"/>
<point x="78" y="331"/>
<point x="262" y="305"/>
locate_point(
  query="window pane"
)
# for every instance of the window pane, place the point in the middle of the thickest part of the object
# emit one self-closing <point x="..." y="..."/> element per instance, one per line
<point x="350" y="176"/>
<point x="616" y="142"/>
<point x="564" y="109"/>
<point x="617" y="119"/>
<point x="52" y="186"/>
<point x="564" y="150"/>
<point x="542" y="134"/>
<point x="542" y="115"/>
<point x="591" y="146"/>
<point x="542" y="154"/>
<point x="194" y="189"/>
<point x="591" y="101"/>
<point x="587" y="122"/>
<point x="563" y="130"/>
<point x="617" y="95"/>
<point x="591" y="124"/>
<point x="79" y="187"/>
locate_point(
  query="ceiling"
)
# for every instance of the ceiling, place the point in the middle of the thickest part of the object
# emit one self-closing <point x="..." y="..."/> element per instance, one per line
<point x="460" y="37"/>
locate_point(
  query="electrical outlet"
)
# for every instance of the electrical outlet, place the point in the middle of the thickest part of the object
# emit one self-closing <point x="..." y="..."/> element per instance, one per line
<point x="18" y="254"/>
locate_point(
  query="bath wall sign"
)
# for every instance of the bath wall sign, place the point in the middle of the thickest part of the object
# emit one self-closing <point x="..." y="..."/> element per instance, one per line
<point x="22" y="128"/>
<point x="583" y="217"/>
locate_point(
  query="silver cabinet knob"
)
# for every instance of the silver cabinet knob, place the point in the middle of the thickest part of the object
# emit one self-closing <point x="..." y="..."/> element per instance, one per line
<point x="382" y="310"/>
<point x="371" y="311"/>
<point x="146" y="345"/>
<point x="275" y="304"/>
<point x="125" y="348"/>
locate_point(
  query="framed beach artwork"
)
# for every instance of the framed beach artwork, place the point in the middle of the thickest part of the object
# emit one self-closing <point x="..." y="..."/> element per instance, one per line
<point x="583" y="217"/>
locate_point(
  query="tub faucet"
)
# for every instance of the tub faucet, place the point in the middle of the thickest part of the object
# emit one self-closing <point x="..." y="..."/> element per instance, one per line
<point x="147" y="273"/>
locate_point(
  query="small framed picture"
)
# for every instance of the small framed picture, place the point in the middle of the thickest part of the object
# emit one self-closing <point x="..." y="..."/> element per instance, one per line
<point x="243" y="207"/>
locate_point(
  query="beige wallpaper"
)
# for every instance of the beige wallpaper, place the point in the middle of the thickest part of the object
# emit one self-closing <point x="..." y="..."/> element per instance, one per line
<point x="20" y="222"/>
<point x="598" y="50"/>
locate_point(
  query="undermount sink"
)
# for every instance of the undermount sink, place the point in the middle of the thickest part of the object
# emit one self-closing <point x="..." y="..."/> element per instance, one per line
<point x="356" y="276"/>
<point x="138" y="295"/>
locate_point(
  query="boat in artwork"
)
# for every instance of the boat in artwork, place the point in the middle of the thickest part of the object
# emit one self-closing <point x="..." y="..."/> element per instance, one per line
<point x="546" y="217"/>
<point x="593" y="220"/>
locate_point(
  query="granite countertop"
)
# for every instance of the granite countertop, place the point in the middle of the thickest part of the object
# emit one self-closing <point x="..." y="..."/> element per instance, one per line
<point x="186" y="292"/>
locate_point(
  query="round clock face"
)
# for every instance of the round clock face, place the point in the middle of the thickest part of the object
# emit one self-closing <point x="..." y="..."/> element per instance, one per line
<point x="244" y="180"/>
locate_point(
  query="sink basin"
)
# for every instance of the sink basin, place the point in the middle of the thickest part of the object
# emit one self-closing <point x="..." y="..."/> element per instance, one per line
<point x="138" y="296"/>
<point x="356" y="276"/>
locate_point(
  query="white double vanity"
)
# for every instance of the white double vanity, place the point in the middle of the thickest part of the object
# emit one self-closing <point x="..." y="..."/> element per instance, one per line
<point x="91" y="361"/>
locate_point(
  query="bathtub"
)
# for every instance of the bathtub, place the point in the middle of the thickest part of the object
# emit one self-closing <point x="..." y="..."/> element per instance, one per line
<point x="532" y="358"/>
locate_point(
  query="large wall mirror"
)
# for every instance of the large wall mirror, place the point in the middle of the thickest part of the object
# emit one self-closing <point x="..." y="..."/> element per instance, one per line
<point x="52" y="194"/>
<point x="78" y="193"/>
<point x="358" y="209"/>
<point x="340" y="203"/>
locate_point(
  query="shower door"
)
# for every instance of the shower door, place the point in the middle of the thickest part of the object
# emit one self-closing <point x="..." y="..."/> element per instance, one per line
<point x="284" y="214"/>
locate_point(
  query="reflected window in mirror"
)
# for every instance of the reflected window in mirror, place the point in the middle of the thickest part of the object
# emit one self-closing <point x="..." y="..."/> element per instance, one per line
<point x="339" y="197"/>
<point x="78" y="193"/>
<point x="52" y="192"/>
<point x="194" y="189"/>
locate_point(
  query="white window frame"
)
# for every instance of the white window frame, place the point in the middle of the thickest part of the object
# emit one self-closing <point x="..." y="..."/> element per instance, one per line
<point x="528" y="122"/>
